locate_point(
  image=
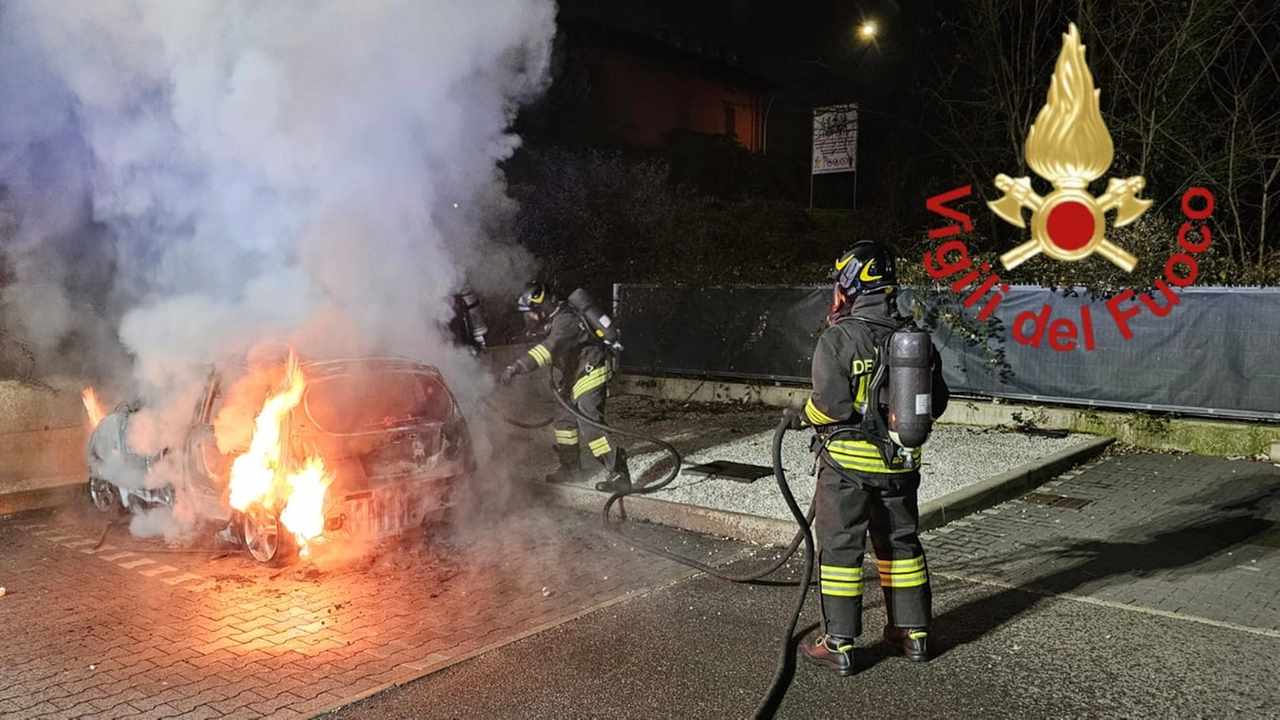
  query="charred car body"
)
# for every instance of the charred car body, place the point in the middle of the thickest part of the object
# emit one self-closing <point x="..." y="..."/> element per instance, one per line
<point x="392" y="438"/>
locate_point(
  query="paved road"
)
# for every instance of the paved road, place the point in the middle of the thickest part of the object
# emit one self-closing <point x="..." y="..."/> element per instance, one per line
<point x="1140" y="586"/>
<point x="104" y="626"/>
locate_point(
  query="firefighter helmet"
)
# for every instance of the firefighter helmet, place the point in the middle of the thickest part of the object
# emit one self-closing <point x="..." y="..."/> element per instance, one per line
<point x="864" y="269"/>
<point x="536" y="298"/>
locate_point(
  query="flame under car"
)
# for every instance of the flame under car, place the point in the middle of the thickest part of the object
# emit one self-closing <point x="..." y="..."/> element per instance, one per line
<point x="386" y="434"/>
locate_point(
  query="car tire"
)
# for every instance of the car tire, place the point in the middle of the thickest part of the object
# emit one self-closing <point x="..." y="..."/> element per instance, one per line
<point x="105" y="497"/>
<point x="266" y="538"/>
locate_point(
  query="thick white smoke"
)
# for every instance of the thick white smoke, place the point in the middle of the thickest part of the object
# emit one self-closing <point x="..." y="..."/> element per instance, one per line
<point x="195" y="177"/>
<point x="190" y="181"/>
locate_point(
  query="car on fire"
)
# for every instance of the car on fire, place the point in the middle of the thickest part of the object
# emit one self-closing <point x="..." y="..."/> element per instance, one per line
<point x="393" y="442"/>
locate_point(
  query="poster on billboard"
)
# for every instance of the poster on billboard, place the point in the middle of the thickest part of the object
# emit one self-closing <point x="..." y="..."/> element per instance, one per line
<point x="835" y="139"/>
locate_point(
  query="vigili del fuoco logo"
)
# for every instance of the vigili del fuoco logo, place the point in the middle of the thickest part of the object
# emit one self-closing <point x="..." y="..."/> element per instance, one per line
<point x="1068" y="146"/>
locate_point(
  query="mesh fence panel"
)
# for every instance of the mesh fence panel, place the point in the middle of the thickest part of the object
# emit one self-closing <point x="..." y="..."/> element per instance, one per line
<point x="1214" y="354"/>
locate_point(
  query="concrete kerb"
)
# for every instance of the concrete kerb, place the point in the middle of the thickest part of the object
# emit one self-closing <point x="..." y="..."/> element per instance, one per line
<point x="39" y="493"/>
<point x="772" y="531"/>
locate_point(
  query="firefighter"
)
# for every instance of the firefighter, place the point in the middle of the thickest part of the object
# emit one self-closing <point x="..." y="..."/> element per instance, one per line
<point x="583" y="364"/>
<point x="857" y="491"/>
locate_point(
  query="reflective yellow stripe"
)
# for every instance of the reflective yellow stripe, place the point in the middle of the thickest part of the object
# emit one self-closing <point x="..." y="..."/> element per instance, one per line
<point x="837" y="572"/>
<point x="599" y="446"/>
<point x="862" y="456"/>
<point x="841" y="589"/>
<point x="566" y="437"/>
<point x="856" y="448"/>
<point x="901" y="566"/>
<point x="860" y="397"/>
<point x="910" y="572"/>
<point x="816" y="416"/>
<point x="592" y="380"/>
<point x="540" y="354"/>
<point x="899" y="580"/>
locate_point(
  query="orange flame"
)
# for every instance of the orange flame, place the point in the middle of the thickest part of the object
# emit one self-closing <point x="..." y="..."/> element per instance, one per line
<point x="1069" y="144"/>
<point x="303" y="514"/>
<point x="254" y="474"/>
<point x="92" y="406"/>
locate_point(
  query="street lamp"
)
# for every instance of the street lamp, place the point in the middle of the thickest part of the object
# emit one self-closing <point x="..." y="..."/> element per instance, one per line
<point x="868" y="30"/>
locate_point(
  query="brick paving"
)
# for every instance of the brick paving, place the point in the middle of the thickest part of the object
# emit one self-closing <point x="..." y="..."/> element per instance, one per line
<point x="1182" y="534"/>
<point x="112" y="627"/>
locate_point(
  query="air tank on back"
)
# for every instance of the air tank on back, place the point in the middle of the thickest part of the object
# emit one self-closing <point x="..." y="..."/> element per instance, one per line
<point x="910" y="387"/>
<point x="601" y="324"/>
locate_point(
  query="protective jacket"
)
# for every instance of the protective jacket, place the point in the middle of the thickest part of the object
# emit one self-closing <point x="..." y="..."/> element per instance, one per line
<point x="845" y="358"/>
<point x="584" y="368"/>
<point x="570" y="349"/>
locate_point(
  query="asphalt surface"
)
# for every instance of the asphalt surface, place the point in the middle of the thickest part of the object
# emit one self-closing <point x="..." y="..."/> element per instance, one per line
<point x="1143" y="585"/>
<point x="708" y="648"/>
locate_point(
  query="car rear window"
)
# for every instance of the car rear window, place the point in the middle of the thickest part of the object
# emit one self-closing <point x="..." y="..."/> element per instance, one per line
<point x="367" y="402"/>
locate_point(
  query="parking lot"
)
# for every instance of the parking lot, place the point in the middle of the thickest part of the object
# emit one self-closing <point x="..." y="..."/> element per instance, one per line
<point x="99" y="623"/>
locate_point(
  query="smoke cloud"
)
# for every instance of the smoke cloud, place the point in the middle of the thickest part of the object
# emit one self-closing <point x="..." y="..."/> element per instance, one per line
<point x="187" y="182"/>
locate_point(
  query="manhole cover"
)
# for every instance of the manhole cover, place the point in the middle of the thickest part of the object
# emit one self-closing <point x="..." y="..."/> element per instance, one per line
<point x="1062" y="501"/>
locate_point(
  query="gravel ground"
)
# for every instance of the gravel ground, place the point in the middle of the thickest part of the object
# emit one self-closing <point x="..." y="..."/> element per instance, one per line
<point x="955" y="456"/>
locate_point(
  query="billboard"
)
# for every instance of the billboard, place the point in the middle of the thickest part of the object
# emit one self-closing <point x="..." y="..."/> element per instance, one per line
<point x="835" y="139"/>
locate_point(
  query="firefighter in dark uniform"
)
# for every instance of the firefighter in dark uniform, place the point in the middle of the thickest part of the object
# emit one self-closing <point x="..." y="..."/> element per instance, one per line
<point x="857" y="490"/>
<point x="584" y="368"/>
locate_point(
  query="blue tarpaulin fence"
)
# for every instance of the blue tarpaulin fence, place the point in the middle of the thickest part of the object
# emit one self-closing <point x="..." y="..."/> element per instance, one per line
<point x="1216" y="352"/>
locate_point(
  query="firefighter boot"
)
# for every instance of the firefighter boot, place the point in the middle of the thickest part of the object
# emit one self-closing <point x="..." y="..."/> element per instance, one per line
<point x="831" y="652"/>
<point x="570" y="469"/>
<point x="913" y="642"/>
<point x="617" y="480"/>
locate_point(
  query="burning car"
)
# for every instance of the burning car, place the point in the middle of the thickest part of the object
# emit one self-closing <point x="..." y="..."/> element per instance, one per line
<point x="292" y="458"/>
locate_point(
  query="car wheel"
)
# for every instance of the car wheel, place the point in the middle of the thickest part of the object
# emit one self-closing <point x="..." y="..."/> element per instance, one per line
<point x="266" y="538"/>
<point x="105" y="496"/>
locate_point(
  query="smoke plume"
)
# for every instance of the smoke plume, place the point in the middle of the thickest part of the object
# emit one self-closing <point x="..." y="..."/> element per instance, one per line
<point x="182" y="182"/>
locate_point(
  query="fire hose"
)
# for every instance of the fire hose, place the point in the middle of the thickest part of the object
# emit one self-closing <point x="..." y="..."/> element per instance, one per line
<point x="769" y="703"/>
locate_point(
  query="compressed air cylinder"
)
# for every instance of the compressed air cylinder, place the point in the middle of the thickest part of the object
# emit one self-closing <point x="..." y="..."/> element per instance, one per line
<point x="910" y="387"/>
<point x="475" y="321"/>
<point x="600" y="323"/>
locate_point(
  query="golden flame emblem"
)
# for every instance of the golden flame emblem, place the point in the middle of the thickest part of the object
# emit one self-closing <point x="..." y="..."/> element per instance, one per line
<point x="1069" y="146"/>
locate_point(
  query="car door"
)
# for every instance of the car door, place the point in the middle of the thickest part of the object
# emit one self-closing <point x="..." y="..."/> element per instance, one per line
<point x="205" y="466"/>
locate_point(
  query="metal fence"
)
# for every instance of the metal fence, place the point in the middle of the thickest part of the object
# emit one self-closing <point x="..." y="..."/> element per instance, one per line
<point x="1216" y="352"/>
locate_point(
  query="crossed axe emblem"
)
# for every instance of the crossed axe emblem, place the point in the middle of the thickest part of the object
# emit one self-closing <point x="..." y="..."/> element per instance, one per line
<point x="1069" y="223"/>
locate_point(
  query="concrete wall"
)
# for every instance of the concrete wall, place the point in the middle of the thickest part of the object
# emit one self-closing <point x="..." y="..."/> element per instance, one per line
<point x="43" y="431"/>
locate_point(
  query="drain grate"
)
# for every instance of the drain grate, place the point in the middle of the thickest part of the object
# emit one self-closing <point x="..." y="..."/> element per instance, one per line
<point x="1062" y="501"/>
<point x="736" y="471"/>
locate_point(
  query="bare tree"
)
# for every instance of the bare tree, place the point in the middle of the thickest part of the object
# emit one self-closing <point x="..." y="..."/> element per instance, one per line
<point x="1190" y="93"/>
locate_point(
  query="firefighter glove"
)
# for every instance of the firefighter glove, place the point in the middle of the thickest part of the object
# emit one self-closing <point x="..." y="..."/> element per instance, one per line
<point x="507" y="373"/>
<point x="794" y="419"/>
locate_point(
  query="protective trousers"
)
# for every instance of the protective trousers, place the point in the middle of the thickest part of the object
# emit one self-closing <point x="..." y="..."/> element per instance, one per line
<point x="587" y="393"/>
<point x="846" y="509"/>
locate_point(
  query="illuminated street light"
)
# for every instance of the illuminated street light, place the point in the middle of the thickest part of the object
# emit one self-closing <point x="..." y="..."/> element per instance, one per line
<point x="868" y="30"/>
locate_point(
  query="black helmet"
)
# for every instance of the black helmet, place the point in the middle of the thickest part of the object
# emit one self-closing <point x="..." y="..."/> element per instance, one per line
<point x="864" y="269"/>
<point x="535" y="298"/>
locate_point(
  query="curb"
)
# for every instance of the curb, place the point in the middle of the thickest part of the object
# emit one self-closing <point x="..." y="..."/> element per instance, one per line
<point x="772" y="531"/>
<point x="40" y="493"/>
<point x="709" y="521"/>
